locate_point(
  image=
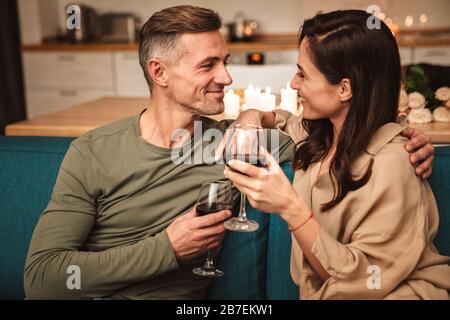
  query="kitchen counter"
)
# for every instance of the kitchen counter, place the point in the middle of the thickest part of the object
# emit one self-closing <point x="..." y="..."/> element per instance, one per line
<point x="288" y="41"/>
<point x="438" y="131"/>
<point x="283" y="42"/>
<point x="79" y="119"/>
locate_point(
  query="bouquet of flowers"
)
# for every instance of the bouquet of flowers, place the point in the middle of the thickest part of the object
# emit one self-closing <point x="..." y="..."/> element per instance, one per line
<point x="442" y="113"/>
<point x="418" y="103"/>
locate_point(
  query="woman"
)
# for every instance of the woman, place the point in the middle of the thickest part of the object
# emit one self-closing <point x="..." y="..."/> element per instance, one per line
<point x="362" y="222"/>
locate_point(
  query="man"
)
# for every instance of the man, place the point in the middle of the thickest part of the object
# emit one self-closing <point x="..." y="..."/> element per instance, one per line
<point x="122" y="211"/>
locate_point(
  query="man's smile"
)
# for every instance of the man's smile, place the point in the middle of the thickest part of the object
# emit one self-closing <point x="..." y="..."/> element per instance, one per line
<point x="218" y="93"/>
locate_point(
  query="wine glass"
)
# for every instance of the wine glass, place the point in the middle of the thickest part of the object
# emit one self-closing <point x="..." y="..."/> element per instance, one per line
<point x="244" y="143"/>
<point x="214" y="196"/>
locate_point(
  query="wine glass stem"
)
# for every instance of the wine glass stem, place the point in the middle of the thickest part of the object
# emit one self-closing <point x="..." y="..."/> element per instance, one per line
<point x="242" y="213"/>
<point x="209" y="264"/>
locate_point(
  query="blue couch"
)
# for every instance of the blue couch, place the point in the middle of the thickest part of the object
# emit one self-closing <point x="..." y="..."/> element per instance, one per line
<point x="258" y="269"/>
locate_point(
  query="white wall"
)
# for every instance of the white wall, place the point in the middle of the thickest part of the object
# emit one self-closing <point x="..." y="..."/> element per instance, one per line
<point x="30" y="22"/>
<point x="50" y="17"/>
<point x="40" y="17"/>
<point x="280" y="16"/>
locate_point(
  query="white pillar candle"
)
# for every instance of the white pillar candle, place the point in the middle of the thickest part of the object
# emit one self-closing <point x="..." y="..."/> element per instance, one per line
<point x="267" y="100"/>
<point x="288" y="99"/>
<point x="251" y="97"/>
<point x="231" y="102"/>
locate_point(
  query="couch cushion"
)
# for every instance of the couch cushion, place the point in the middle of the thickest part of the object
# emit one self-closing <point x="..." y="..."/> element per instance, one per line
<point x="257" y="262"/>
<point x="440" y="183"/>
<point x="279" y="280"/>
<point x="243" y="259"/>
<point x="28" y="167"/>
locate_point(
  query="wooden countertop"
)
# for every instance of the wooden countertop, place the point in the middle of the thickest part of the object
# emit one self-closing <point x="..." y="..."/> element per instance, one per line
<point x="77" y="120"/>
<point x="438" y="131"/>
<point x="288" y="41"/>
<point x="261" y="43"/>
<point x="281" y="44"/>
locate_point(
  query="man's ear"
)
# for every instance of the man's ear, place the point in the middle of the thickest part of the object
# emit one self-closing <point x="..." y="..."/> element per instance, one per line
<point x="157" y="70"/>
<point x="345" y="90"/>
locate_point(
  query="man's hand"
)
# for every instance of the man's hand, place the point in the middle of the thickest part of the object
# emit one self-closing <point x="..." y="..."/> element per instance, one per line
<point x="421" y="151"/>
<point x="192" y="235"/>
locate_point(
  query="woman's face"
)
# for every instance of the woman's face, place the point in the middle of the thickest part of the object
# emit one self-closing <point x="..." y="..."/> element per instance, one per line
<point x="320" y="99"/>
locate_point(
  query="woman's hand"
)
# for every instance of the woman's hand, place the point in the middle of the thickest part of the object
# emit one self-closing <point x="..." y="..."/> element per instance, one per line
<point x="268" y="189"/>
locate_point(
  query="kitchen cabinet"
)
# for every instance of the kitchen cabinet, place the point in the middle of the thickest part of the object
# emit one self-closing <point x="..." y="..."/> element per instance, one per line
<point x="43" y="101"/>
<point x="129" y="78"/>
<point x="63" y="70"/>
<point x="56" y="80"/>
<point x="62" y="75"/>
<point x="439" y="55"/>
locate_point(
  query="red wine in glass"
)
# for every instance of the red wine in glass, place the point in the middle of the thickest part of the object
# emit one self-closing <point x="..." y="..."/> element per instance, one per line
<point x="244" y="143"/>
<point x="253" y="159"/>
<point x="207" y="208"/>
<point x="214" y="196"/>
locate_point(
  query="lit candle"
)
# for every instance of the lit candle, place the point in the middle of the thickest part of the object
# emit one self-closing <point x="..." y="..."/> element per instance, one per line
<point x="267" y="100"/>
<point x="231" y="102"/>
<point x="289" y="99"/>
<point x="251" y="97"/>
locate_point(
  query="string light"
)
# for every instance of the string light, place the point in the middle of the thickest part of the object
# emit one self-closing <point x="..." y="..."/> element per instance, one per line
<point x="423" y="18"/>
<point x="409" y="20"/>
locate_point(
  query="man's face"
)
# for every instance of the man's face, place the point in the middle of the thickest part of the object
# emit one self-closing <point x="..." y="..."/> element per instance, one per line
<point x="197" y="80"/>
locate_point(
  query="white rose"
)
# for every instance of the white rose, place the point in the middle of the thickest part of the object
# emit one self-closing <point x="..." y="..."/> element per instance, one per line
<point x="422" y="115"/>
<point x="416" y="100"/>
<point x="441" y="114"/>
<point x="442" y="94"/>
<point x="403" y="100"/>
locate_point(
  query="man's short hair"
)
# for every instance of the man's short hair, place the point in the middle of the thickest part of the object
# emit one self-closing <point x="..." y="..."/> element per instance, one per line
<point x="158" y="36"/>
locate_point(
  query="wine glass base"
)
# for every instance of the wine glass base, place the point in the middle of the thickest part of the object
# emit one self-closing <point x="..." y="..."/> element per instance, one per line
<point x="202" y="271"/>
<point x="234" y="224"/>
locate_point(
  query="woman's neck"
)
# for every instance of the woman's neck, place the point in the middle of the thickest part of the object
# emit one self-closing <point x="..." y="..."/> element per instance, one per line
<point x="336" y="132"/>
<point x="337" y="127"/>
<point x="337" y="123"/>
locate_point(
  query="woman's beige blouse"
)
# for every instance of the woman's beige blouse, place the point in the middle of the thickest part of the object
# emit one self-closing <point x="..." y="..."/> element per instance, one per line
<point x="377" y="243"/>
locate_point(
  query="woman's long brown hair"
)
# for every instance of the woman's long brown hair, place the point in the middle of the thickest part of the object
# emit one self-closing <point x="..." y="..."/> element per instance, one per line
<point x="342" y="45"/>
